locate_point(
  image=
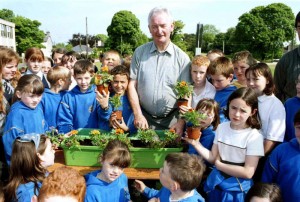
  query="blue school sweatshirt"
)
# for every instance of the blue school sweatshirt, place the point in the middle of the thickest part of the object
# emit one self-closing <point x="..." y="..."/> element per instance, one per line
<point x="50" y="102"/>
<point x="292" y="106"/>
<point x="78" y="110"/>
<point x="26" y="191"/>
<point x="22" y="120"/>
<point x="98" y="190"/>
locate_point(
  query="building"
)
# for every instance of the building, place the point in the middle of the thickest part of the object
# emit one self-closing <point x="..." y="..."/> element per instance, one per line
<point x="82" y="49"/>
<point x="48" y="43"/>
<point x="7" y="37"/>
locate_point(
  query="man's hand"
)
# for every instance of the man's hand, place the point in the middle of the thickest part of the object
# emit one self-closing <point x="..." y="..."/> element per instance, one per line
<point x="178" y="127"/>
<point x="141" y="122"/>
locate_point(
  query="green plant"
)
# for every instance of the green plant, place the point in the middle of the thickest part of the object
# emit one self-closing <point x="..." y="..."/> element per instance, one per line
<point x="101" y="139"/>
<point x="73" y="141"/>
<point x="54" y="137"/>
<point x="102" y="77"/>
<point x="172" y="139"/>
<point x="183" y="89"/>
<point x="116" y="101"/>
<point x="192" y="116"/>
<point x="150" y="138"/>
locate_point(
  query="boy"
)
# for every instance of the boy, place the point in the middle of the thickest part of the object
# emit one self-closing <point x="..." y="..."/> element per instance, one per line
<point x="78" y="107"/>
<point x="214" y="53"/>
<point x="292" y="105"/>
<point x="60" y="79"/>
<point x="111" y="59"/>
<point x="221" y="74"/>
<point x="241" y="61"/>
<point x="202" y="88"/>
<point x="283" y="166"/>
<point x="107" y="117"/>
<point x="180" y="176"/>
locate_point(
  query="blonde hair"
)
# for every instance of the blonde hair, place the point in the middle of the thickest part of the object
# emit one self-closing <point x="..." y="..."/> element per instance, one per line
<point x="56" y="73"/>
<point x="200" y="60"/>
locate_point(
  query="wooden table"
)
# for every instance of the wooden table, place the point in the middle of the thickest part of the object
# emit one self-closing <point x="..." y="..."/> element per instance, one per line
<point x="131" y="173"/>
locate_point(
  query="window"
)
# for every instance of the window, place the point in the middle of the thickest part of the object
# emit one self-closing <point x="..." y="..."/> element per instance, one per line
<point x="9" y="32"/>
<point x="3" y="30"/>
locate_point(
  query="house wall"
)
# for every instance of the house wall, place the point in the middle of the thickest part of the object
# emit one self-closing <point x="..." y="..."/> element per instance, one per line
<point x="7" y="35"/>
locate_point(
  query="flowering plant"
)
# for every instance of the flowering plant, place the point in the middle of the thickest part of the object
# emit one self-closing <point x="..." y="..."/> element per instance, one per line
<point x="192" y="116"/>
<point x="72" y="140"/>
<point x="183" y="89"/>
<point x="116" y="101"/>
<point x="101" y="139"/>
<point x="102" y="77"/>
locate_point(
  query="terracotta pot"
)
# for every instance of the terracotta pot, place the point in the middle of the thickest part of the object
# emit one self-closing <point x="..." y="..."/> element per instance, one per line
<point x="193" y="132"/>
<point x="101" y="87"/>
<point x="118" y="113"/>
<point x="183" y="102"/>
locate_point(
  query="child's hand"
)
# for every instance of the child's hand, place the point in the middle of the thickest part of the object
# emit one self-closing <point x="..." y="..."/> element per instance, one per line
<point x="154" y="200"/>
<point x="102" y="99"/>
<point x="183" y="109"/>
<point x="191" y="141"/>
<point x="116" y="124"/>
<point x="139" y="185"/>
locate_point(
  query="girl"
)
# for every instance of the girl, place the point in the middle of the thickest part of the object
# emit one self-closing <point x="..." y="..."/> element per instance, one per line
<point x="110" y="183"/>
<point x="26" y="115"/>
<point x="264" y="192"/>
<point x="31" y="155"/>
<point x="210" y="108"/>
<point x="60" y="80"/>
<point x="34" y="59"/>
<point x="9" y="60"/>
<point x="271" y="110"/>
<point x="236" y="149"/>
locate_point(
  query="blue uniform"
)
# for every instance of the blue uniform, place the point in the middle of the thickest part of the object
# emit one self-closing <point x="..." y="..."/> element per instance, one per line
<point x="78" y="110"/>
<point x="164" y="195"/>
<point x="292" y="106"/>
<point x="22" y="120"/>
<point x="98" y="190"/>
<point x="283" y="168"/>
<point x="223" y="189"/>
<point x="26" y="191"/>
<point x="127" y="114"/>
<point x="50" y="102"/>
<point x="222" y="98"/>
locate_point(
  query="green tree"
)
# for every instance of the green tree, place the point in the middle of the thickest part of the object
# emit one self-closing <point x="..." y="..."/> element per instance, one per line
<point x="177" y="37"/>
<point x="68" y="47"/>
<point x="27" y="31"/>
<point x="209" y="34"/>
<point x="124" y="33"/>
<point x="190" y="41"/>
<point x="263" y="30"/>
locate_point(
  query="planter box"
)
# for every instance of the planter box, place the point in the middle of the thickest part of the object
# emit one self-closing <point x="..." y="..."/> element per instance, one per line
<point x="141" y="157"/>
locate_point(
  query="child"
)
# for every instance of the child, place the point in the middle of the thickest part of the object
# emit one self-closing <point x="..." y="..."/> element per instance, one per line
<point x="110" y="183"/>
<point x="214" y="53"/>
<point x="60" y="79"/>
<point x="47" y="65"/>
<point x="111" y="59"/>
<point x="210" y="108"/>
<point x="271" y="110"/>
<point x="63" y="184"/>
<point x="241" y="61"/>
<point x="221" y="73"/>
<point x="34" y="58"/>
<point x="31" y="155"/>
<point x="283" y="166"/>
<point x="236" y="149"/>
<point x="68" y="60"/>
<point x="26" y="114"/>
<point x="9" y="60"/>
<point x="180" y="176"/>
<point x="264" y="192"/>
<point x="78" y="107"/>
<point x="202" y="88"/>
<point x="292" y="105"/>
<point x="119" y="86"/>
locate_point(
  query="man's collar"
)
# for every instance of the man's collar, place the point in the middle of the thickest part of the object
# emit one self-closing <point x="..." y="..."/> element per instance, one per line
<point x="169" y="49"/>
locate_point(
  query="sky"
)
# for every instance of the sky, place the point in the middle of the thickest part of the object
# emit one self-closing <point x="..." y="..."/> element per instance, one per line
<point x="63" y="18"/>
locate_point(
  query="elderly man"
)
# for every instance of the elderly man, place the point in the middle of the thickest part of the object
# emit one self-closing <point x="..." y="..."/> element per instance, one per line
<point x="155" y="68"/>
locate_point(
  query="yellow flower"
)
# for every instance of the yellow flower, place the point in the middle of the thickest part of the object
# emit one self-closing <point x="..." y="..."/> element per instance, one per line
<point x="74" y="132"/>
<point x="119" y="131"/>
<point x="172" y="131"/>
<point x="95" y="132"/>
<point x="183" y="83"/>
<point x="104" y="69"/>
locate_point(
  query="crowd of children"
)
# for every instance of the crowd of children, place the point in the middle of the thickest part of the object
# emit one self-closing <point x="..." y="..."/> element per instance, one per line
<point x="242" y="130"/>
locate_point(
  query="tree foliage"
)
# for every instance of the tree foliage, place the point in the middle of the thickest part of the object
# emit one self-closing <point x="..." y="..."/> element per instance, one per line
<point x="124" y="33"/>
<point x="208" y="37"/>
<point x="27" y="31"/>
<point x="263" y="30"/>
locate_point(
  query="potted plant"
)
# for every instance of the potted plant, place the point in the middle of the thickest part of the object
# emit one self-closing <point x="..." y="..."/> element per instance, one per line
<point x="183" y="90"/>
<point x="116" y="103"/>
<point x="101" y="139"/>
<point x="102" y="79"/>
<point x="193" y="119"/>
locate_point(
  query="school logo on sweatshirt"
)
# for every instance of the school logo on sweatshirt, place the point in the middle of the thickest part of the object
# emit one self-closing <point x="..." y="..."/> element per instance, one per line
<point x="91" y="109"/>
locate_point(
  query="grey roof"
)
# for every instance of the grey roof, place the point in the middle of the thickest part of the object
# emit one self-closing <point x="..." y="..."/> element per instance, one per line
<point x="82" y="48"/>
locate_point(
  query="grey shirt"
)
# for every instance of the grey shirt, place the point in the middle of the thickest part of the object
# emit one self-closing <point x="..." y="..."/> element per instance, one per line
<point x="156" y="74"/>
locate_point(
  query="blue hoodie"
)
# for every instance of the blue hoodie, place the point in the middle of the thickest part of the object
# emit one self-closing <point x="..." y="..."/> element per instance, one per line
<point x="292" y="106"/>
<point x="26" y="191"/>
<point x="283" y="168"/>
<point x="50" y="102"/>
<point x="78" y="110"/>
<point x="164" y="195"/>
<point x="22" y="120"/>
<point x="98" y="190"/>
